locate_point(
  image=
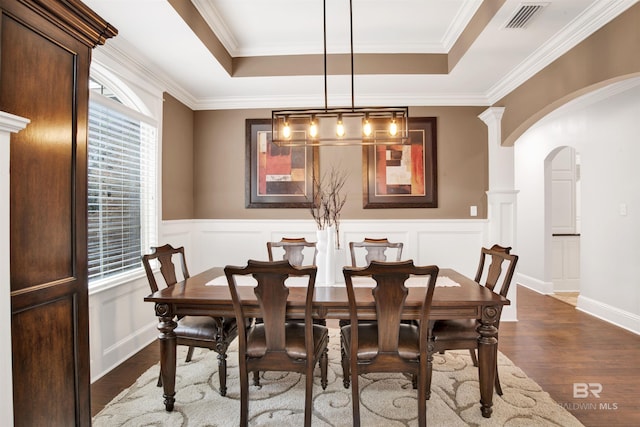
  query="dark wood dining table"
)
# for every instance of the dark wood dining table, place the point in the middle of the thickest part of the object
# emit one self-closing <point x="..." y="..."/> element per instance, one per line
<point x="197" y="296"/>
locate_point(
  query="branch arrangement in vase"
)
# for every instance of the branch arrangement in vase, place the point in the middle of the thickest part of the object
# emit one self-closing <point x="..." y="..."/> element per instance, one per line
<point x="329" y="200"/>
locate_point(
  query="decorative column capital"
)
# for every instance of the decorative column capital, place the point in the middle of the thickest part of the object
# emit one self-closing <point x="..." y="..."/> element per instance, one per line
<point x="492" y="115"/>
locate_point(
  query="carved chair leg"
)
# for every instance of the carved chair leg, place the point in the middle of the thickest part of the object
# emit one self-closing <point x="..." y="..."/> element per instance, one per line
<point x="256" y="378"/>
<point x="431" y="351"/>
<point x="222" y="372"/>
<point x="346" y="379"/>
<point x="189" y="354"/>
<point x="159" y="380"/>
<point x="346" y="375"/>
<point x="324" y="363"/>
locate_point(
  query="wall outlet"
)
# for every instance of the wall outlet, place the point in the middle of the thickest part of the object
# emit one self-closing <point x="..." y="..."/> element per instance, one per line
<point x="473" y="211"/>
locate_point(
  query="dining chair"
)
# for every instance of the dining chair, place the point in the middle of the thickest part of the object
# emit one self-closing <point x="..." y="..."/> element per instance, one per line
<point x="387" y="344"/>
<point x="495" y="264"/>
<point x="277" y="343"/>
<point x="375" y="250"/>
<point x="294" y="250"/>
<point x="214" y="333"/>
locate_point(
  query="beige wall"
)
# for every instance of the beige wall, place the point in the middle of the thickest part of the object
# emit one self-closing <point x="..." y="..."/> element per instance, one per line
<point x="177" y="160"/>
<point x="219" y="179"/>
<point x="217" y="156"/>
<point x="610" y="54"/>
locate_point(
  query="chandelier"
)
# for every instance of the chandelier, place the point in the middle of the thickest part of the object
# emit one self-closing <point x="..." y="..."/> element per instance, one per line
<point x="340" y="125"/>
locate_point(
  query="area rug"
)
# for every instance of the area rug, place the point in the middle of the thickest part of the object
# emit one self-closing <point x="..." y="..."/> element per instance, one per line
<point x="386" y="399"/>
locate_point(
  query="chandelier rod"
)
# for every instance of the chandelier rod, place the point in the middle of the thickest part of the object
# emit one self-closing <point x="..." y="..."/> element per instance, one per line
<point x="351" y="31"/>
<point x="324" y="15"/>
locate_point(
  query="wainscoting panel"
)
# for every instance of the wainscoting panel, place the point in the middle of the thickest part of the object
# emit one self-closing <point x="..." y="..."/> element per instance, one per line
<point x="450" y="243"/>
<point x="120" y="323"/>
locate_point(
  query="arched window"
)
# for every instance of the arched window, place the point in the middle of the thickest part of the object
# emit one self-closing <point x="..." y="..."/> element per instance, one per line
<point x="122" y="157"/>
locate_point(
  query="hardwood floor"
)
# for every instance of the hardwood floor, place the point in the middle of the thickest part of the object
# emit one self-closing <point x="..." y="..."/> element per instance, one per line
<point x="559" y="346"/>
<point x="552" y="342"/>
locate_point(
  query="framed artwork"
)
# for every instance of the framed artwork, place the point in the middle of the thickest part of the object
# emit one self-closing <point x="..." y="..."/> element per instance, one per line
<point x="276" y="177"/>
<point x="403" y="176"/>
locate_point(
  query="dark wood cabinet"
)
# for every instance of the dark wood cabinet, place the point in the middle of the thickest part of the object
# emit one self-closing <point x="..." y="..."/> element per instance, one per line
<point x="45" y="52"/>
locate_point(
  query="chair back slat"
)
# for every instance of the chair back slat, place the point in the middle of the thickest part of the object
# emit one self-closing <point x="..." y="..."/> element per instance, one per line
<point x="165" y="256"/>
<point x="375" y="250"/>
<point x="272" y="294"/>
<point x="390" y="295"/>
<point x="501" y="265"/>
<point x="294" y="250"/>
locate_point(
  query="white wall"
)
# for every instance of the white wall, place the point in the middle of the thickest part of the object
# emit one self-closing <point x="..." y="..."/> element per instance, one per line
<point x="604" y="127"/>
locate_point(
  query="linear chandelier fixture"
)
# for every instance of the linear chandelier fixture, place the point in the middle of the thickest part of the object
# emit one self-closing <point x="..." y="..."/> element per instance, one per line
<point x="340" y="125"/>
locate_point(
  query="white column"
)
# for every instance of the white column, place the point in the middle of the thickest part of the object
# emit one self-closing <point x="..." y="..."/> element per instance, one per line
<point x="8" y="124"/>
<point x="501" y="197"/>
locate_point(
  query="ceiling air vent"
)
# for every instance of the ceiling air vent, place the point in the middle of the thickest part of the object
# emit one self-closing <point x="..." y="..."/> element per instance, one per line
<point x="524" y="15"/>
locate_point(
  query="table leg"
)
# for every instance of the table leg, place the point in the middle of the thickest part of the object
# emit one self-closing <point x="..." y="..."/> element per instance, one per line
<point x="487" y="358"/>
<point x="167" y="338"/>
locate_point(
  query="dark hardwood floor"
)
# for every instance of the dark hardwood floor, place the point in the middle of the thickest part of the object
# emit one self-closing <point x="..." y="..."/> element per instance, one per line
<point x="552" y="342"/>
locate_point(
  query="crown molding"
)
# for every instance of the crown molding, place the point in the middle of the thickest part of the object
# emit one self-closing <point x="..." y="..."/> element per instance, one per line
<point x="590" y="21"/>
<point x="147" y="75"/>
<point x="232" y="103"/>
<point x="212" y="17"/>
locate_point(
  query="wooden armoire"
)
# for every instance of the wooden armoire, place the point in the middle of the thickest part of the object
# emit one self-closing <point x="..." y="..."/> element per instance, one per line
<point x="45" y="52"/>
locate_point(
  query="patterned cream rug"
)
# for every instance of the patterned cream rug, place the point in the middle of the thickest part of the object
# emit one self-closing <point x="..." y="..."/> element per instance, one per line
<point x="386" y="400"/>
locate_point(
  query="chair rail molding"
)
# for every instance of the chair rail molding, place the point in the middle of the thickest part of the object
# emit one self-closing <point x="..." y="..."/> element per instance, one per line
<point x="9" y="123"/>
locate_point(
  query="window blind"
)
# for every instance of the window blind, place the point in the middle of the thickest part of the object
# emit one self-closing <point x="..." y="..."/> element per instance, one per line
<point x="121" y="188"/>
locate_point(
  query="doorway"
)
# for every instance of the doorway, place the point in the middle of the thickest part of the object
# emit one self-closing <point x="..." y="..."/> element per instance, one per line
<point x="565" y="223"/>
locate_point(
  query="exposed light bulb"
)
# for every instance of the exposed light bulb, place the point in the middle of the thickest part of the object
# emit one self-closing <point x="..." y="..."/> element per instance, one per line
<point x="366" y="128"/>
<point x="286" y="130"/>
<point x="393" y="128"/>
<point x="340" y="127"/>
<point x="313" y="128"/>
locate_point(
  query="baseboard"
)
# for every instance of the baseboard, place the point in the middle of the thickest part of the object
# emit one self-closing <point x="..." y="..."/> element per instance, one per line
<point x="124" y="349"/>
<point x="545" y="288"/>
<point x="613" y="315"/>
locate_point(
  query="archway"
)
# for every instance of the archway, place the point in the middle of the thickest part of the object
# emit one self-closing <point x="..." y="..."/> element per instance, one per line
<point x="603" y="128"/>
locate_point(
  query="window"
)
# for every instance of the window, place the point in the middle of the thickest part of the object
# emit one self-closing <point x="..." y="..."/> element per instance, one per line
<point x="121" y="187"/>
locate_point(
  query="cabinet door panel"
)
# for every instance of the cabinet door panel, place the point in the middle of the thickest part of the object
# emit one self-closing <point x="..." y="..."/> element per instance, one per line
<point x="45" y="51"/>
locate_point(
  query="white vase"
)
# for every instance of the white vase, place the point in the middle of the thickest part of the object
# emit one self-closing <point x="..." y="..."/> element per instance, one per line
<point x="321" y="258"/>
<point x="326" y="258"/>
<point x="330" y="277"/>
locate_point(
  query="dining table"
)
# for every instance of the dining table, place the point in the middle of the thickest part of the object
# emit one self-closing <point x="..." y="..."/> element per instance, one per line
<point x="456" y="296"/>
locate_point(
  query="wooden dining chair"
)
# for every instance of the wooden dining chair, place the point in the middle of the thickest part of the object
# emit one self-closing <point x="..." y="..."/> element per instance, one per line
<point x="497" y="265"/>
<point x="214" y="333"/>
<point x="387" y="344"/>
<point x="294" y="250"/>
<point x="375" y="250"/>
<point x="277" y="343"/>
